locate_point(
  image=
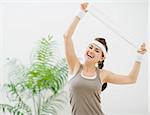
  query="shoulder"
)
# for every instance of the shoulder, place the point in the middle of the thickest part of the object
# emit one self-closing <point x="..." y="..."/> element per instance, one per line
<point x="76" y="69"/>
<point x="103" y="74"/>
<point x="71" y="75"/>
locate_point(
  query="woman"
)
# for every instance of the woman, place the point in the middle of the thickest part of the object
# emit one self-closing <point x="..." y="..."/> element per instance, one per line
<point x="86" y="84"/>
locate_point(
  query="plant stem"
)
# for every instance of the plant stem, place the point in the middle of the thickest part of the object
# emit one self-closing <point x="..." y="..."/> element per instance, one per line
<point x="39" y="103"/>
<point x="34" y="102"/>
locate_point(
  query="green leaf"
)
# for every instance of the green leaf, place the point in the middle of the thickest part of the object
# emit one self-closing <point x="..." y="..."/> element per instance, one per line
<point x="46" y="72"/>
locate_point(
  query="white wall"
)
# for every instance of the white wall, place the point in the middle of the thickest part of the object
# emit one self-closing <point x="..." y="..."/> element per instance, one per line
<point x="148" y="60"/>
<point x="23" y="23"/>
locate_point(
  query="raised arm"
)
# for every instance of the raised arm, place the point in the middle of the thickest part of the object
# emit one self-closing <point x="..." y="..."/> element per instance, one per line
<point x="133" y="74"/>
<point x="73" y="61"/>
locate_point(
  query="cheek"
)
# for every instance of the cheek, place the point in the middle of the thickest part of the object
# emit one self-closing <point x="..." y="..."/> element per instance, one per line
<point x="86" y="50"/>
<point x="99" y="56"/>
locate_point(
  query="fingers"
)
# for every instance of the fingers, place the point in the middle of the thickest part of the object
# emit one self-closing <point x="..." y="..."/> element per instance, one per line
<point x="84" y="6"/>
<point x="143" y="45"/>
<point x="142" y="49"/>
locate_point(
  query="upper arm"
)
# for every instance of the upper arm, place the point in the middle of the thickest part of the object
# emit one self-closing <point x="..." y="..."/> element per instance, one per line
<point x="117" y="78"/>
<point x="72" y="60"/>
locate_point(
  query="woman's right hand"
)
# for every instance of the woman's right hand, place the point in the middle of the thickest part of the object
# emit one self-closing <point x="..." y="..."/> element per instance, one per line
<point x="83" y="6"/>
<point x="142" y="49"/>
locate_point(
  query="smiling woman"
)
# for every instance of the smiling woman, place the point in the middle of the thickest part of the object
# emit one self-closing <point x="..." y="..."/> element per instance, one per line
<point x="84" y="87"/>
<point x="25" y="22"/>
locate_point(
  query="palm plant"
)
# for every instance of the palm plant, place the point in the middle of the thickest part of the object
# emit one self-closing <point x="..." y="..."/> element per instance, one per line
<point x="37" y="89"/>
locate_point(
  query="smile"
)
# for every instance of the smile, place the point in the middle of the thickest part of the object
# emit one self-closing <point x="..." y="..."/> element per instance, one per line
<point x="90" y="56"/>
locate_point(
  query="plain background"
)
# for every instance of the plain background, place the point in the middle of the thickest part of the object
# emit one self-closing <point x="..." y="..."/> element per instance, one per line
<point x="22" y="24"/>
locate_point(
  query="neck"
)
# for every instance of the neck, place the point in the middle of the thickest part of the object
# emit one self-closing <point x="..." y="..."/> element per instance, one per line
<point x="89" y="67"/>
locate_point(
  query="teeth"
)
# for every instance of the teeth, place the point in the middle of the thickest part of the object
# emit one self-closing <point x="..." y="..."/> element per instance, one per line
<point x="90" y="56"/>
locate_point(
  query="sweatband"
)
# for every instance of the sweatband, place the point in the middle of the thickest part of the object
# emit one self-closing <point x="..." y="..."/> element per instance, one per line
<point x="139" y="57"/>
<point x="80" y="13"/>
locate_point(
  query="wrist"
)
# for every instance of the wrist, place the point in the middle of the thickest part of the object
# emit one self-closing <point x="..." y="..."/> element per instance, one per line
<point x="80" y="14"/>
<point x="139" y="57"/>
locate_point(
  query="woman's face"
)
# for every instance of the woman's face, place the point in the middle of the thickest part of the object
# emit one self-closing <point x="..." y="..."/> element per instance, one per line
<point x="93" y="54"/>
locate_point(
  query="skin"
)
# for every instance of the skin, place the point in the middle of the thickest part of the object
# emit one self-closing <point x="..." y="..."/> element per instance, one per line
<point x="95" y="52"/>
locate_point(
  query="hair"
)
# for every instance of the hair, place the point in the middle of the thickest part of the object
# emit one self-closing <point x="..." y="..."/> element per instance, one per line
<point x="101" y="63"/>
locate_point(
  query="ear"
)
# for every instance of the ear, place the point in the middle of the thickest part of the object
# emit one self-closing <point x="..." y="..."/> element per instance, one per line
<point x="103" y="58"/>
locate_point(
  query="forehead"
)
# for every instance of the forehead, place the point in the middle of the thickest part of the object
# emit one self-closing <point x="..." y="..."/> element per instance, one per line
<point x="95" y="46"/>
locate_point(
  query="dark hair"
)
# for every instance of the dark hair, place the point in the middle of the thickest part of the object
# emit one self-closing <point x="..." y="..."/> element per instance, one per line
<point x="101" y="63"/>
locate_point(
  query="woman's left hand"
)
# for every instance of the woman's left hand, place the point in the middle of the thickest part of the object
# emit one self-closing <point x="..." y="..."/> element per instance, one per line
<point x="83" y="6"/>
<point x="142" y="49"/>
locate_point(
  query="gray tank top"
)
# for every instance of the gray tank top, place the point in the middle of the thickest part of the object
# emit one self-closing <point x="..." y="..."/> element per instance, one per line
<point x="85" y="94"/>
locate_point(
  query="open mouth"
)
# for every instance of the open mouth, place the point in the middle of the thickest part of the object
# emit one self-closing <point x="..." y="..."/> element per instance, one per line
<point x="90" y="56"/>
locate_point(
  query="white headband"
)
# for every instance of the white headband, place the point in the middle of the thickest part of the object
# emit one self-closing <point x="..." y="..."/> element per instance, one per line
<point x="101" y="46"/>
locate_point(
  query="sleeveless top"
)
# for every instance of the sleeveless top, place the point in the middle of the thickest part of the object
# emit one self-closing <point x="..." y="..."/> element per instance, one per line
<point x="85" y="94"/>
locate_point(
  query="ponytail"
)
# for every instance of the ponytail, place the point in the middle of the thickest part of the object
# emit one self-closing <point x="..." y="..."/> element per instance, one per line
<point x="100" y="66"/>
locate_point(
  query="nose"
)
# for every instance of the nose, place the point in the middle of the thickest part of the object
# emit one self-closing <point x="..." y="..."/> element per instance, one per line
<point x="91" y="51"/>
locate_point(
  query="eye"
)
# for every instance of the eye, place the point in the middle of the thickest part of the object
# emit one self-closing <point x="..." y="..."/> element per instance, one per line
<point x="97" y="51"/>
<point x="90" y="46"/>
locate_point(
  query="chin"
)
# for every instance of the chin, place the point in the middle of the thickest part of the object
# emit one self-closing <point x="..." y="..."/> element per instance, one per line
<point x="88" y="59"/>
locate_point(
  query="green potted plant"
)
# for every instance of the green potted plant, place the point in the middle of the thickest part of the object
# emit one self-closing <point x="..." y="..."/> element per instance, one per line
<point x="36" y="89"/>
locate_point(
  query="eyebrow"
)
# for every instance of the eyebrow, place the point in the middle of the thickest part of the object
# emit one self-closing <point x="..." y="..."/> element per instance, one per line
<point x="97" y="48"/>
